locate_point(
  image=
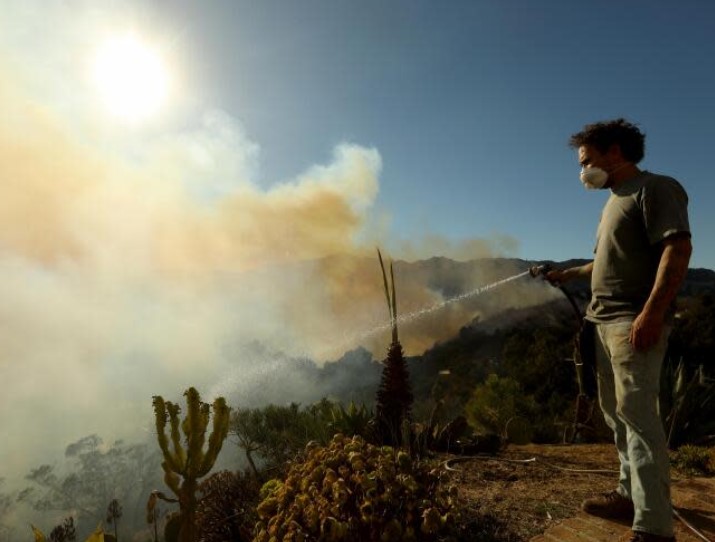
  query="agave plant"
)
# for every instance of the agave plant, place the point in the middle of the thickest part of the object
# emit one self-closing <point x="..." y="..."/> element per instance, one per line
<point x="394" y="397"/>
<point x="350" y="421"/>
<point x="689" y="420"/>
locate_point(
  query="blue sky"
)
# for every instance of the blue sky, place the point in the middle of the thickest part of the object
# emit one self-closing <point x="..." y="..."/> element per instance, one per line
<point x="470" y="104"/>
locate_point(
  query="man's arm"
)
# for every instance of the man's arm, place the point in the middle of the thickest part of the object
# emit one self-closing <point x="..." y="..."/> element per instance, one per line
<point x="673" y="266"/>
<point x="559" y="276"/>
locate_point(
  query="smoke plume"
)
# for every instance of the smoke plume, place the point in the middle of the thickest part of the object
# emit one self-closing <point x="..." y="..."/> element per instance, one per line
<point x="142" y="269"/>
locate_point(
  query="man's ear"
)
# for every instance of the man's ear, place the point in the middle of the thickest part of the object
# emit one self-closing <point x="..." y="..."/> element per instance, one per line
<point x="615" y="153"/>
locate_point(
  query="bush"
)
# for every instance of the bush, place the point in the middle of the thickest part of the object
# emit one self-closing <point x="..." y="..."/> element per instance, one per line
<point x="353" y="491"/>
<point x="694" y="460"/>
<point x="226" y="509"/>
<point x="497" y="401"/>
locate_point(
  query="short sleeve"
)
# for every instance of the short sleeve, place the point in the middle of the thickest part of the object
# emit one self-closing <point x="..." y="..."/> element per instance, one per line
<point x="665" y="209"/>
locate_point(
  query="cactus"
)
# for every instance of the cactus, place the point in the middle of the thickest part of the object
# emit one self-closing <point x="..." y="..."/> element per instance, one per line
<point x="184" y="464"/>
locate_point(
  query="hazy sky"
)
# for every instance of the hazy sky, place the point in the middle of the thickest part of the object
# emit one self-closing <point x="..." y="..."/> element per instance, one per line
<point x="138" y="254"/>
<point x="468" y="104"/>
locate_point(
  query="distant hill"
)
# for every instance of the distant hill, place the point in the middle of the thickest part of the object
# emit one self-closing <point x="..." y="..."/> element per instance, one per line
<point x="697" y="281"/>
<point x="468" y="355"/>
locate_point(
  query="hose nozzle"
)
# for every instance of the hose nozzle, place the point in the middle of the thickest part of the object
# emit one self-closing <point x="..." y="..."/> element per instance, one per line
<point x="540" y="270"/>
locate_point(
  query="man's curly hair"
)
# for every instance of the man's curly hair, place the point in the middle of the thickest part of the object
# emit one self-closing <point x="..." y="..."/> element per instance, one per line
<point x="602" y="135"/>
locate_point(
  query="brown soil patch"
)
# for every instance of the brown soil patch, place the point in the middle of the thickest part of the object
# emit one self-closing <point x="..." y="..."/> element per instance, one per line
<point x="511" y="501"/>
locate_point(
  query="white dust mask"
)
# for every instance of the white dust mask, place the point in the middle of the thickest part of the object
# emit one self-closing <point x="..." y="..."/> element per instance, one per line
<point x="593" y="177"/>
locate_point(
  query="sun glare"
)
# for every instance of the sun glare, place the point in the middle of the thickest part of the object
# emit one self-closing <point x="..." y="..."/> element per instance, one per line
<point x="131" y="78"/>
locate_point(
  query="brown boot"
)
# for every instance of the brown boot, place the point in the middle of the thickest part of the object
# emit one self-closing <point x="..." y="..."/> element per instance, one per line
<point x="640" y="536"/>
<point x="611" y="505"/>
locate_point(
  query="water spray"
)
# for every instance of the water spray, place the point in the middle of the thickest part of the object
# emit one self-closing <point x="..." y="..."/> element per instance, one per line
<point x="420" y="313"/>
<point x="477" y="291"/>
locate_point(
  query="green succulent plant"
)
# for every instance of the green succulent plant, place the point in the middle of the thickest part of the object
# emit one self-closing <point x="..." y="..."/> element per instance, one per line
<point x="353" y="491"/>
<point x="184" y="464"/>
<point x="352" y="420"/>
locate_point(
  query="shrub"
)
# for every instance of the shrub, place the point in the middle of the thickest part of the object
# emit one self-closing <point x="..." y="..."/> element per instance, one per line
<point x="497" y="401"/>
<point x="353" y="491"/>
<point x="694" y="460"/>
<point x="226" y="509"/>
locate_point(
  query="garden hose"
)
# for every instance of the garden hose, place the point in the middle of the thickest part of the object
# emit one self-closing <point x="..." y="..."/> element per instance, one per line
<point x="584" y="358"/>
<point x="690" y="526"/>
<point x="449" y="462"/>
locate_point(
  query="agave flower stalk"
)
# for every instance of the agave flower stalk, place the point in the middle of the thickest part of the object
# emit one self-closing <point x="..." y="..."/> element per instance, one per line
<point x="394" y="396"/>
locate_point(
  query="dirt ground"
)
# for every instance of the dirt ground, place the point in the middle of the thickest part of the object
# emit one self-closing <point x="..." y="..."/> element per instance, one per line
<point x="515" y="501"/>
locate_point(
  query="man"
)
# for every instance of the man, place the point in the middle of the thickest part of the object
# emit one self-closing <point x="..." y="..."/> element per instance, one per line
<point x="641" y="258"/>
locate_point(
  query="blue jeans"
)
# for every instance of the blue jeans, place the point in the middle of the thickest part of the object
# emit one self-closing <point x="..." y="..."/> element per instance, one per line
<point x="628" y="386"/>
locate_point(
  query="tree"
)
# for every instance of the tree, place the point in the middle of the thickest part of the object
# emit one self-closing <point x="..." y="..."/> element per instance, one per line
<point x="274" y="434"/>
<point x="248" y="424"/>
<point x="93" y="476"/>
<point x="153" y="513"/>
<point x="65" y="532"/>
<point x="6" y="506"/>
<point x="114" y="512"/>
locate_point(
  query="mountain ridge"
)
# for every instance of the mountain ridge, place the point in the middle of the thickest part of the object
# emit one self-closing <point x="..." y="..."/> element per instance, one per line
<point x="354" y="375"/>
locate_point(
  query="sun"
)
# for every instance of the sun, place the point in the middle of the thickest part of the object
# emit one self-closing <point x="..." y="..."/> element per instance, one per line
<point x="131" y="78"/>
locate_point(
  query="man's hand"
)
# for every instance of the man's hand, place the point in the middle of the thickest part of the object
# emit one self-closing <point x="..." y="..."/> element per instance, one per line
<point x="673" y="265"/>
<point x="646" y="330"/>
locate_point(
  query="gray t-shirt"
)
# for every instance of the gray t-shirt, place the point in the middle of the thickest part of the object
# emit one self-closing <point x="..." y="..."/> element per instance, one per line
<point x="639" y="214"/>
